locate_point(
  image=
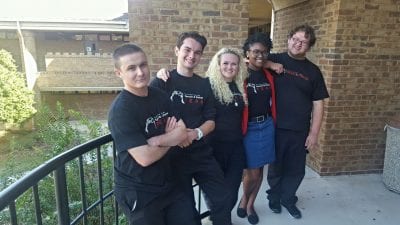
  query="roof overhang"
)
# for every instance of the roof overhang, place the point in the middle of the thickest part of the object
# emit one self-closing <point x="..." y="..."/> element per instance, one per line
<point x="67" y="25"/>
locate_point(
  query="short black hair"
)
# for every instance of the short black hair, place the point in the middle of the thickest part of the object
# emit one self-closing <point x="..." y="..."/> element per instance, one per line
<point x="123" y="50"/>
<point x="191" y="34"/>
<point x="258" y="37"/>
<point x="309" y="33"/>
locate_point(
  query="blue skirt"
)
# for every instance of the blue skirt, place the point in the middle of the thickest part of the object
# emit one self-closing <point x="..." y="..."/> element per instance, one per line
<point x="259" y="143"/>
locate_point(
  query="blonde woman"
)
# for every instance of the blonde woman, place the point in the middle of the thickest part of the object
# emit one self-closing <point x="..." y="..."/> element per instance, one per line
<point x="226" y="73"/>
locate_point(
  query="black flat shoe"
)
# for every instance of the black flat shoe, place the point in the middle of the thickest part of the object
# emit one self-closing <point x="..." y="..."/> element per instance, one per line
<point x="253" y="218"/>
<point x="241" y="212"/>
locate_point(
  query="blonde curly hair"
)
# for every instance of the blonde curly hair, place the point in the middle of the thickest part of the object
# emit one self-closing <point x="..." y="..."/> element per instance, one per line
<point x="219" y="86"/>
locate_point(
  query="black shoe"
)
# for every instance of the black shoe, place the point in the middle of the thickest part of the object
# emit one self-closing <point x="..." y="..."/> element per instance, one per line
<point x="253" y="218"/>
<point x="241" y="212"/>
<point x="275" y="206"/>
<point x="293" y="211"/>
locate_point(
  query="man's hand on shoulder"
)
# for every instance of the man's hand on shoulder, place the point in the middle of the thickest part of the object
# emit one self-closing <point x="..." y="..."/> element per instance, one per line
<point x="276" y="67"/>
<point x="163" y="74"/>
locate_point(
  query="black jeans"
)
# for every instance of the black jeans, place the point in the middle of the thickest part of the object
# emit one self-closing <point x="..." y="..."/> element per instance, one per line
<point x="172" y="208"/>
<point x="199" y="164"/>
<point x="288" y="170"/>
<point x="231" y="157"/>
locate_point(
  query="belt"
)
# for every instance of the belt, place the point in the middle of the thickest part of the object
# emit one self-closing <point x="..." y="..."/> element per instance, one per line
<point x="259" y="119"/>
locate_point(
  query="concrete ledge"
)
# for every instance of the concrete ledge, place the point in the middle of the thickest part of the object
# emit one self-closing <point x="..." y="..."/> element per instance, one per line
<point x="82" y="90"/>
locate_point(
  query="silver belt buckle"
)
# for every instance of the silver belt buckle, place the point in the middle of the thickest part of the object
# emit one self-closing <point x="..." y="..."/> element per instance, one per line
<point x="260" y="119"/>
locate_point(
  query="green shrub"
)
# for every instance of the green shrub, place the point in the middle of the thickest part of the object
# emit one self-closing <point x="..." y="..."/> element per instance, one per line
<point x="16" y="100"/>
<point x="53" y="135"/>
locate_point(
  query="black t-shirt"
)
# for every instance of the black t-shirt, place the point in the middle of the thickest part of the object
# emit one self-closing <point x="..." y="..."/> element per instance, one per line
<point x="300" y="85"/>
<point x="132" y="120"/>
<point x="192" y="97"/>
<point x="258" y="94"/>
<point x="228" y="120"/>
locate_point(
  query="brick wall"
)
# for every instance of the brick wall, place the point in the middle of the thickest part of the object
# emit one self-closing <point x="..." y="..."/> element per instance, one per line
<point x="155" y="24"/>
<point x="74" y="70"/>
<point x="68" y="46"/>
<point x="12" y="46"/>
<point x="81" y="82"/>
<point x="357" y="51"/>
<point x="94" y="105"/>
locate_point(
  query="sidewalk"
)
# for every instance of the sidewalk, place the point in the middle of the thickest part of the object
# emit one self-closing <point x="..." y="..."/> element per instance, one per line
<point x="334" y="200"/>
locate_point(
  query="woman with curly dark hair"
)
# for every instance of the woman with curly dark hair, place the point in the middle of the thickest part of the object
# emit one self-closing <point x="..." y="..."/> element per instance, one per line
<point x="259" y="138"/>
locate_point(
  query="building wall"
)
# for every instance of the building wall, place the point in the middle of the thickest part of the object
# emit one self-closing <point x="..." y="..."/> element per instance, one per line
<point x="85" y="83"/>
<point x="155" y="25"/>
<point x="78" y="70"/>
<point x="94" y="105"/>
<point x="9" y="42"/>
<point x="45" y="46"/>
<point x="357" y="51"/>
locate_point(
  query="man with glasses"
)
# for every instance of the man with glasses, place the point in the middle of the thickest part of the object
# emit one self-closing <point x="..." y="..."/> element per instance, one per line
<point x="299" y="95"/>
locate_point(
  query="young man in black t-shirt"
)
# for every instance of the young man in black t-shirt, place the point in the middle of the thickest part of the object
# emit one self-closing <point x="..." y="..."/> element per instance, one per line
<point x="191" y="95"/>
<point x="144" y="128"/>
<point x="300" y="92"/>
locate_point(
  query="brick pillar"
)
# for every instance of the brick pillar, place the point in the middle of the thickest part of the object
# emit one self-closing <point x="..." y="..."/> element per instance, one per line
<point x="155" y="25"/>
<point x="357" y="51"/>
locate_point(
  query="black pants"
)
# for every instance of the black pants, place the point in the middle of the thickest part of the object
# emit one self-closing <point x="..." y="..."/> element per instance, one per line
<point x="231" y="158"/>
<point x="288" y="170"/>
<point x="172" y="208"/>
<point x="199" y="164"/>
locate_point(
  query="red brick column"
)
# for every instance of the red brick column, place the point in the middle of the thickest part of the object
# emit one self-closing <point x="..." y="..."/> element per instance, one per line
<point x="357" y="51"/>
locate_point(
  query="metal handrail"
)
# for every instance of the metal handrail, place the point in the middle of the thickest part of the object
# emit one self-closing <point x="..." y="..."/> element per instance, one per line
<point x="16" y="189"/>
<point x="56" y="165"/>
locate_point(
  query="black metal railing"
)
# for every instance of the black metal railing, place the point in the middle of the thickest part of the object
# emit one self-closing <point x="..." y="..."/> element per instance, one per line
<point x="89" y="156"/>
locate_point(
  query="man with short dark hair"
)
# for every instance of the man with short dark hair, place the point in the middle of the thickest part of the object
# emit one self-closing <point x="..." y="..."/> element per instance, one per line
<point x="192" y="96"/>
<point x="144" y="128"/>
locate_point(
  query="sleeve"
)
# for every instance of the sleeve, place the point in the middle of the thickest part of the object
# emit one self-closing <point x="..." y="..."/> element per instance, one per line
<point x="273" y="57"/>
<point x="158" y="83"/>
<point x="125" y="130"/>
<point x="209" y="111"/>
<point x="320" y="91"/>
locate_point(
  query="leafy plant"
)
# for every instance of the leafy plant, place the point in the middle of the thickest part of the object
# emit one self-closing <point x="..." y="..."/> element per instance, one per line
<point x="54" y="134"/>
<point x="16" y="100"/>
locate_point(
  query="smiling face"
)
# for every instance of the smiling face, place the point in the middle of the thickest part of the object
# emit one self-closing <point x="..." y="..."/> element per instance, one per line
<point x="257" y="54"/>
<point x="298" y="45"/>
<point x="134" y="72"/>
<point x="189" y="55"/>
<point x="229" y="66"/>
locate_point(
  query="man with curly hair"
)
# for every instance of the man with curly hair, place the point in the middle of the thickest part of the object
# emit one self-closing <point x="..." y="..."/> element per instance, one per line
<point x="300" y="92"/>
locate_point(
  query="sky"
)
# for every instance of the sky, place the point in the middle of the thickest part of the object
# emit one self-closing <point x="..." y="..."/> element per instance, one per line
<point x="62" y="9"/>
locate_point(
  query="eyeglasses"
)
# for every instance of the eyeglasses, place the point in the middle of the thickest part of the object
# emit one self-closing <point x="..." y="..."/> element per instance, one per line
<point x="298" y="41"/>
<point x="258" y="52"/>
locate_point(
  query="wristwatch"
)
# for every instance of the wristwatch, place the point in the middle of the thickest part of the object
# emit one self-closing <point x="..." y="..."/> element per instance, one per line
<point x="199" y="133"/>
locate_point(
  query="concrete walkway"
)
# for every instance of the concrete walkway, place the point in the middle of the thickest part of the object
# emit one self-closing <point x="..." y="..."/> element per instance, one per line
<point x="334" y="200"/>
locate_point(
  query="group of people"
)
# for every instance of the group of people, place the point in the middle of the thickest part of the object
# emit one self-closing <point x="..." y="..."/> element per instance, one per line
<point x="252" y="109"/>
